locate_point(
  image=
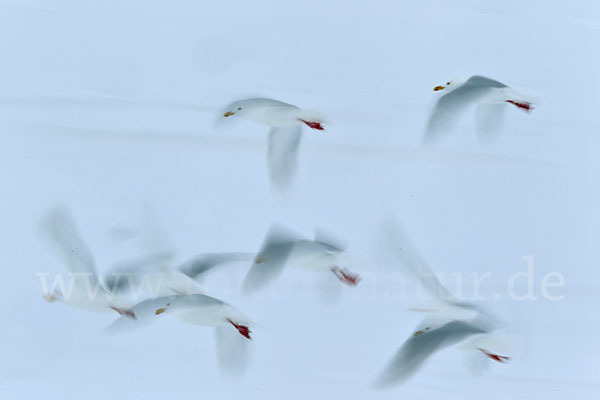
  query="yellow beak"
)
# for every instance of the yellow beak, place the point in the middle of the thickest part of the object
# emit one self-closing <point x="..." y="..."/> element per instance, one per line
<point x="228" y="114"/>
<point x="435" y="89"/>
<point x="49" y="298"/>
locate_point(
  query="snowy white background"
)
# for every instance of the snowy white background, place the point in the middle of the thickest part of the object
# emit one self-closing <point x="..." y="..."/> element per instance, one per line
<point x="106" y="106"/>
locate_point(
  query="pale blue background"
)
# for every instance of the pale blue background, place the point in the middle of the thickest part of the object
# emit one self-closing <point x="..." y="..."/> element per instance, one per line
<point x="108" y="105"/>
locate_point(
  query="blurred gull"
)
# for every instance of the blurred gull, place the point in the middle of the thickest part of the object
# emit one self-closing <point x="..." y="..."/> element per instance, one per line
<point x="489" y="95"/>
<point x="449" y="323"/>
<point x="232" y="328"/>
<point x="86" y="291"/>
<point x="157" y="272"/>
<point x="282" y="247"/>
<point x="285" y="121"/>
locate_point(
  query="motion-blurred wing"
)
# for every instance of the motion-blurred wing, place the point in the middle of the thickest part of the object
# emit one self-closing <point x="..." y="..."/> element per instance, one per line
<point x="489" y="119"/>
<point x="412" y="261"/>
<point x="329" y="241"/>
<point x="232" y="351"/>
<point x="454" y="102"/>
<point x="283" y="155"/>
<point x="122" y="275"/>
<point x="64" y="234"/>
<point x="270" y="260"/>
<point x="419" y="347"/>
<point x="200" y="264"/>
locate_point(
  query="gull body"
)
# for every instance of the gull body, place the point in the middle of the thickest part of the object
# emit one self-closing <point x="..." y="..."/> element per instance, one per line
<point x="264" y="111"/>
<point x="195" y="309"/>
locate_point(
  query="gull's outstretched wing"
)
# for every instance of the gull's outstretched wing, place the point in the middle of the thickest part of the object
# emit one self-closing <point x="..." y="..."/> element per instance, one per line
<point x="270" y="259"/>
<point x="232" y="351"/>
<point x="420" y="346"/>
<point x="489" y="119"/>
<point x="454" y="102"/>
<point x="329" y="241"/>
<point x="412" y="261"/>
<point x="133" y="271"/>
<point x="198" y="265"/>
<point x="64" y="234"/>
<point x="283" y="155"/>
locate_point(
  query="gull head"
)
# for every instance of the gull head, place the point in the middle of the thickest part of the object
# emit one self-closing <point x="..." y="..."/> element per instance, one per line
<point x="236" y="108"/>
<point x="54" y="295"/>
<point x="229" y="113"/>
<point x="450" y="85"/>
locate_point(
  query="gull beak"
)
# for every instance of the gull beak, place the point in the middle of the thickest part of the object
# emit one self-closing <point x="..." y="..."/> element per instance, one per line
<point x="49" y="298"/>
<point x="228" y="114"/>
<point x="435" y="89"/>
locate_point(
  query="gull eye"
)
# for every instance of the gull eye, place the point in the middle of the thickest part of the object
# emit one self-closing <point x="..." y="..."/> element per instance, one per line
<point x="239" y="108"/>
<point x="447" y="83"/>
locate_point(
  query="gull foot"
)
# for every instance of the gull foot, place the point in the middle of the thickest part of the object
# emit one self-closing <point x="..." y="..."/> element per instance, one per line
<point x="123" y="311"/>
<point x="346" y="276"/>
<point x="495" y="357"/>
<point x="242" y="329"/>
<point x="49" y="298"/>
<point x="521" y="104"/>
<point x="313" y="124"/>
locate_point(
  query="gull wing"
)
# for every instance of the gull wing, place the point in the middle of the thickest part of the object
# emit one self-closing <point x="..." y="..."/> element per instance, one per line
<point x="454" y="102"/>
<point x="232" y="351"/>
<point x="198" y="265"/>
<point x="412" y="261"/>
<point x="61" y="229"/>
<point x="489" y="119"/>
<point x="329" y="241"/>
<point x="283" y="155"/>
<point x="420" y="346"/>
<point x="271" y="258"/>
<point x="128" y="272"/>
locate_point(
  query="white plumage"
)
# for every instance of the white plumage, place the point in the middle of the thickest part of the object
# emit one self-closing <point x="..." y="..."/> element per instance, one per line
<point x="490" y="97"/>
<point x="285" y="121"/>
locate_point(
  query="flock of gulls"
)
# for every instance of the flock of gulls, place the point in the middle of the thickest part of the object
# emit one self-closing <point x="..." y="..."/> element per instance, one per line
<point x="451" y="322"/>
